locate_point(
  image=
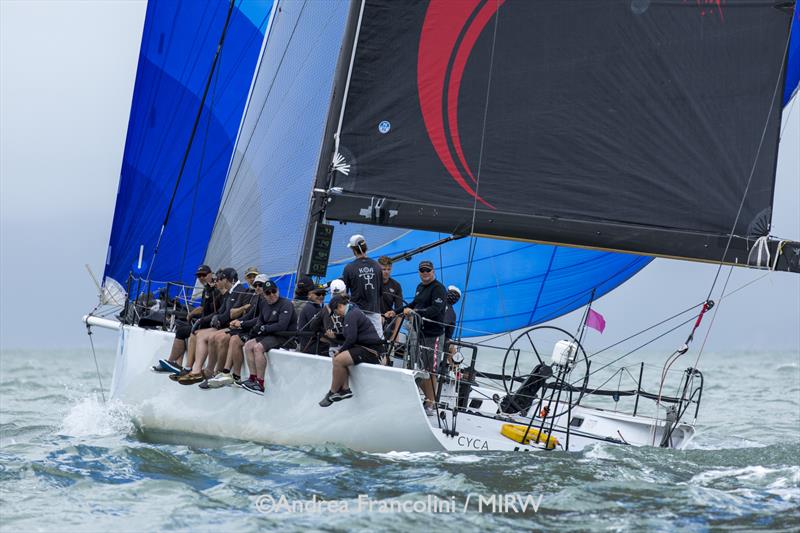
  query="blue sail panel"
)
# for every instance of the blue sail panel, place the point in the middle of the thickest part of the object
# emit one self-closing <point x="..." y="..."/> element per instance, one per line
<point x="511" y="284"/>
<point x="793" y="61"/>
<point x="178" y="45"/>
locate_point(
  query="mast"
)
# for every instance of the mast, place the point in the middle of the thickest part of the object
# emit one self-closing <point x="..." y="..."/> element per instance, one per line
<point x="324" y="174"/>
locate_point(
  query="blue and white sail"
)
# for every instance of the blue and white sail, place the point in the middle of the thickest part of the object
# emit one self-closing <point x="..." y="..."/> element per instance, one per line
<point x="178" y="44"/>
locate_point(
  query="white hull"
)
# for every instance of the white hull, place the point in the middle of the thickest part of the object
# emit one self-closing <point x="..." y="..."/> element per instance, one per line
<point x="385" y="413"/>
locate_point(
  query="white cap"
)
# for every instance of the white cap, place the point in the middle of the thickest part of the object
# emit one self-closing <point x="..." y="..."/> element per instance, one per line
<point x="356" y="240"/>
<point x="454" y="289"/>
<point x="261" y="277"/>
<point x="337" y="286"/>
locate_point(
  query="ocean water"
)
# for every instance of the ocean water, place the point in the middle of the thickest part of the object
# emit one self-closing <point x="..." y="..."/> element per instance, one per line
<point x="69" y="462"/>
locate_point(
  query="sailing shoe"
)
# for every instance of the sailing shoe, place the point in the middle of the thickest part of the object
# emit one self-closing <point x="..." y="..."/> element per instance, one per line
<point x="342" y="394"/>
<point x="328" y="400"/>
<point x="429" y="410"/>
<point x="176" y="377"/>
<point x="220" y="380"/>
<point x="158" y="368"/>
<point x="191" y="379"/>
<point x="253" y="386"/>
<point x="204" y="385"/>
<point x="168" y="366"/>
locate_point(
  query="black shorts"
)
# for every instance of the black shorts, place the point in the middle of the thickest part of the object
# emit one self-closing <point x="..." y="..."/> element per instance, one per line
<point x="233" y="331"/>
<point x="183" y="330"/>
<point x="365" y="354"/>
<point x="270" y="341"/>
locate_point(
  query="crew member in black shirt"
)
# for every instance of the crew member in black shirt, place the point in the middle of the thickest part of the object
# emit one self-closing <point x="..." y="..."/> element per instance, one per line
<point x="208" y="306"/>
<point x="392" y="297"/>
<point x="426" y="333"/>
<point x="277" y="315"/>
<point x="361" y="345"/>
<point x="363" y="278"/>
<point x="307" y="324"/>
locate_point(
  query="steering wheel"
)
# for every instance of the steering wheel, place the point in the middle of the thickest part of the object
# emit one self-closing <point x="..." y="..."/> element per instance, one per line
<point x="525" y="352"/>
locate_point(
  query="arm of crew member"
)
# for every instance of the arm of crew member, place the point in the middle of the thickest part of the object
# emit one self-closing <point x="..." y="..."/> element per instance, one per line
<point x="239" y="311"/>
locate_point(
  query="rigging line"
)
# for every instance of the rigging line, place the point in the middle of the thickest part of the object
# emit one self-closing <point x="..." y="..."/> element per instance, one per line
<point x="191" y="137"/>
<point x="638" y="348"/>
<point x="713" y="316"/>
<point x="94" y="355"/>
<point x="200" y="167"/>
<point x="753" y="168"/>
<point x="473" y="239"/>
<point x="676" y="315"/>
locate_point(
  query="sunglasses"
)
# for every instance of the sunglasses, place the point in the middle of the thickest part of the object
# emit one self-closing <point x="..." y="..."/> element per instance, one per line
<point x="201" y="274"/>
<point x="258" y="284"/>
<point x="271" y="291"/>
<point x="425" y="270"/>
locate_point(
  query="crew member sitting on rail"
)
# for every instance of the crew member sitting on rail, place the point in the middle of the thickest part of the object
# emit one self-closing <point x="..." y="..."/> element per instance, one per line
<point x="238" y="302"/>
<point x="227" y="278"/>
<point x="361" y="345"/>
<point x="208" y="306"/>
<point x="250" y="277"/>
<point x="306" y="323"/>
<point x="277" y="316"/>
<point x="427" y="335"/>
<point x="238" y="334"/>
<point x="301" y="290"/>
<point x="327" y="324"/>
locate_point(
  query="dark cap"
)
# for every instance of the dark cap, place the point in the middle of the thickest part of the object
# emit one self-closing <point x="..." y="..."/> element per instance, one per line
<point x="336" y="301"/>
<point x="305" y="284"/>
<point x="202" y="270"/>
<point x="228" y="273"/>
<point x="269" y="284"/>
<point x="426" y="264"/>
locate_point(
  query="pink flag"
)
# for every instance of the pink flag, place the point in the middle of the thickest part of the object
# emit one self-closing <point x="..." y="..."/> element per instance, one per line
<point x="595" y="320"/>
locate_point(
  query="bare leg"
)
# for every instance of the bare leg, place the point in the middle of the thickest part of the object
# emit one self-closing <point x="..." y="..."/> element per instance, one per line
<point x="191" y="350"/>
<point x="178" y="349"/>
<point x="220" y="341"/>
<point x="235" y="355"/>
<point x="427" y="387"/>
<point x="340" y="371"/>
<point x="260" y="360"/>
<point x="201" y="348"/>
<point x="249" y="348"/>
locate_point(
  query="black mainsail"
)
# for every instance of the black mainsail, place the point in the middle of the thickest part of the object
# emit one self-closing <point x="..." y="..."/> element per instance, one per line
<point x="646" y="127"/>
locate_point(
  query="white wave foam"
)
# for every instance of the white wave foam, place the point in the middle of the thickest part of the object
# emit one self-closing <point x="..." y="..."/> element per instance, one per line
<point x="749" y="473"/>
<point x="90" y="417"/>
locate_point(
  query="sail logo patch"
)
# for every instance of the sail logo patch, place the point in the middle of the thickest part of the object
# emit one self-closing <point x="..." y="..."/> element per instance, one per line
<point x="384" y="126"/>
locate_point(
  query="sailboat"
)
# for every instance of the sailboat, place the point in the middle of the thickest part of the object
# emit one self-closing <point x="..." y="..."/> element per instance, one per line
<point x="498" y="132"/>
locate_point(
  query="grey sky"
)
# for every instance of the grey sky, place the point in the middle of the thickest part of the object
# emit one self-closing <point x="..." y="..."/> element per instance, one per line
<point x="65" y="90"/>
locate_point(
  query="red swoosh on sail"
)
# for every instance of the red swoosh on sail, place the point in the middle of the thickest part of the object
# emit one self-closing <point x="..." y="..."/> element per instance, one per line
<point x="444" y="22"/>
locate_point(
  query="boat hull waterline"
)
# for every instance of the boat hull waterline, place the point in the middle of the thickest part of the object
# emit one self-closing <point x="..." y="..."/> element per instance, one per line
<point x="385" y="413"/>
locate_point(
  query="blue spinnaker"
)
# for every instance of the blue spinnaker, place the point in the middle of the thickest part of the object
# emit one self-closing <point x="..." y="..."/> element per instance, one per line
<point x="178" y="44"/>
